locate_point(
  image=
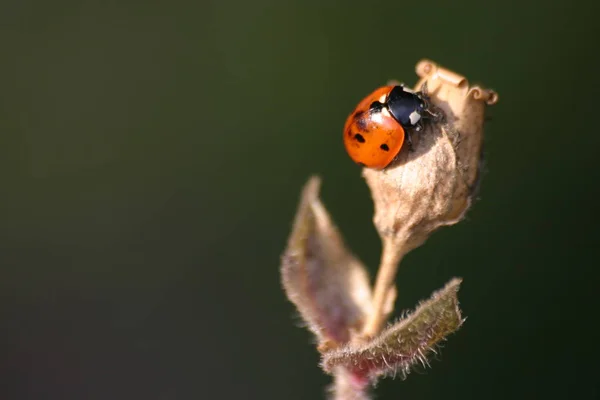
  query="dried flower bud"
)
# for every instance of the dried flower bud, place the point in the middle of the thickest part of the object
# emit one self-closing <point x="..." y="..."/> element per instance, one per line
<point x="327" y="283"/>
<point x="433" y="185"/>
<point x="404" y="344"/>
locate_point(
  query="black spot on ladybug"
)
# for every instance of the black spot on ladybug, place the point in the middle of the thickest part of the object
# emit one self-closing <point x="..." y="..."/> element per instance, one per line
<point x="358" y="114"/>
<point x="362" y="124"/>
<point x="376" y="106"/>
<point x="384" y="147"/>
<point x="359" y="138"/>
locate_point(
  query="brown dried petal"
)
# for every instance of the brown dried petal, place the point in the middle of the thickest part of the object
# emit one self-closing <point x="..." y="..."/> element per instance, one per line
<point x="327" y="283"/>
<point x="433" y="186"/>
<point x="406" y="343"/>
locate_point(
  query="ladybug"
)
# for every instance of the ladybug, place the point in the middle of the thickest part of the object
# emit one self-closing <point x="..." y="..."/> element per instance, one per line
<point x="376" y="130"/>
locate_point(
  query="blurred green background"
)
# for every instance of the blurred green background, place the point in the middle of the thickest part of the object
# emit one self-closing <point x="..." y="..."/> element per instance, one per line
<point x="152" y="154"/>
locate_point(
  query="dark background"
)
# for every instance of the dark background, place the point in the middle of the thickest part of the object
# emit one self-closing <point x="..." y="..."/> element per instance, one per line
<point x="151" y="158"/>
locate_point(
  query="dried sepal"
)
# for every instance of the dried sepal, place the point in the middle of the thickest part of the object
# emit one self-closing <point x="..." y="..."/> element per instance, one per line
<point x="401" y="346"/>
<point x="433" y="185"/>
<point x="327" y="283"/>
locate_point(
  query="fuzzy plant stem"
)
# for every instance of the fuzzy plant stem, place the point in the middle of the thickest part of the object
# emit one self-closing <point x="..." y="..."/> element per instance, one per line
<point x="347" y="386"/>
<point x="384" y="287"/>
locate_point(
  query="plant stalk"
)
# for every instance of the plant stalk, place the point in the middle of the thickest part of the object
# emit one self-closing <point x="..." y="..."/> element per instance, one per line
<point x="384" y="287"/>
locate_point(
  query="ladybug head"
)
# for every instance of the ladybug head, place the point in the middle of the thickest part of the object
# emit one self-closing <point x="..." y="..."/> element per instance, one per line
<point x="406" y="106"/>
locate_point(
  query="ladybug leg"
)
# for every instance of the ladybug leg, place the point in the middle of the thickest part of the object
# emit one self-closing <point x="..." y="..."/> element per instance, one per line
<point x="409" y="141"/>
<point x="433" y="112"/>
<point x="424" y="89"/>
<point x="436" y="115"/>
<point x="419" y="126"/>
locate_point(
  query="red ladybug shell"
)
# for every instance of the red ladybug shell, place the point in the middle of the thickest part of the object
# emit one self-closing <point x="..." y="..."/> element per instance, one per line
<point x="373" y="137"/>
